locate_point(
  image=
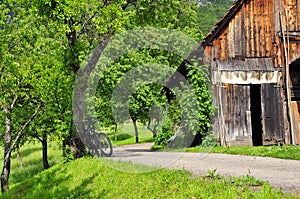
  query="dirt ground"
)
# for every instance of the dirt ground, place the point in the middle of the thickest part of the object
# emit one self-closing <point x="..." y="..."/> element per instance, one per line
<point x="280" y="173"/>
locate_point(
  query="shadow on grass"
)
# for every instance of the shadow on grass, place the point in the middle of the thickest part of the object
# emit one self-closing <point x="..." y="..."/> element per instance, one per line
<point x="31" y="168"/>
<point x="32" y="164"/>
<point x="27" y="151"/>
<point x="52" y="183"/>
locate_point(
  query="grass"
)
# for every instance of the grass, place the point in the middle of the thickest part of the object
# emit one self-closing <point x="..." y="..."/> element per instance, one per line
<point x="132" y="141"/>
<point x="241" y="181"/>
<point x="93" y="178"/>
<point x="126" y="135"/>
<point x="283" y="152"/>
<point x="31" y="154"/>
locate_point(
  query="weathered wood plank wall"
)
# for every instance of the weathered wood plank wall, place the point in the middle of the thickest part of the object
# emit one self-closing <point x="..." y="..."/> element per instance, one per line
<point x="255" y="31"/>
<point x="252" y="40"/>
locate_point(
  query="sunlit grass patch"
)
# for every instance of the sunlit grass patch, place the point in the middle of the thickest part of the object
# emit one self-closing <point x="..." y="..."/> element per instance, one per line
<point x="31" y="154"/>
<point x="283" y="152"/>
<point x="93" y="178"/>
<point x="126" y="135"/>
<point x="96" y="178"/>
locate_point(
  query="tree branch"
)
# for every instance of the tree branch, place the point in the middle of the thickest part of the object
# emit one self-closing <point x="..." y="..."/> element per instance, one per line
<point x="83" y="26"/>
<point x="37" y="137"/>
<point x="6" y="111"/>
<point x="20" y="131"/>
<point x="13" y="103"/>
<point x="1" y="70"/>
<point x="148" y="126"/>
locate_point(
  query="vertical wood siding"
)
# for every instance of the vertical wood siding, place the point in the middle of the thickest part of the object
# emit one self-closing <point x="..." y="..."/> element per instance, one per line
<point x="252" y="40"/>
<point x="255" y="31"/>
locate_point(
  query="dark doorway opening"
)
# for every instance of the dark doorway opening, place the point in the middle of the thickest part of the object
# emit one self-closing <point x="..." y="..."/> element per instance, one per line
<point x="295" y="80"/>
<point x="255" y="103"/>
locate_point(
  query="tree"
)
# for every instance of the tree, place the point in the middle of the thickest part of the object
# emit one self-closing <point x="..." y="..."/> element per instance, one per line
<point x="18" y="101"/>
<point x="34" y="86"/>
<point x="53" y="88"/>
<point x="181" y="16"/>
<point x="141" y="102"/>
<point x="85" y="25"/>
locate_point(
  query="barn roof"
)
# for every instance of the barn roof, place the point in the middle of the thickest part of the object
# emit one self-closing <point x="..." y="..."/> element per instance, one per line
<point x="223" y="22"/>
<point x="198" y="51"/>
<point x="219" y="27"/>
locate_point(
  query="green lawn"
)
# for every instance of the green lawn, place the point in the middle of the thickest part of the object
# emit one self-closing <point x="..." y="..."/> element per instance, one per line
<point x="126" y="135"/>
<point x="92" y="178"/>
<point x="31" y="155"/>
<point x="283" y="152"/>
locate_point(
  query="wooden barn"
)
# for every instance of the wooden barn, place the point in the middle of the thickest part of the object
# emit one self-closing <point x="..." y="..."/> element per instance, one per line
<point x="254" y="56"/>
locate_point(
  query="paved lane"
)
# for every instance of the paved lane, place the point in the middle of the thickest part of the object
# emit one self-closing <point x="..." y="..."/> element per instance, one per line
<point x="279" y="172"/>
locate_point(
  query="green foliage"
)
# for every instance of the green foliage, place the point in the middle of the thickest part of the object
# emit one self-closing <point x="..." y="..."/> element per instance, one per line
<point x="209" y="141"/>
<point x="170" y="125"/>
<point x="195" y="105"/>
<point x="198" y="78"/>
<point x="69" y="156"/>
<point x="210" y="13"/>
<point x="180" y="15"/>
<point x="165" y="133"/>
<point x="42" y="75"/>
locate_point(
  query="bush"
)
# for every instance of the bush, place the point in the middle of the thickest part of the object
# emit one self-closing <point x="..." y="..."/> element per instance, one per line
<point x="162" y="137"/>
<point x="189" y="113"/>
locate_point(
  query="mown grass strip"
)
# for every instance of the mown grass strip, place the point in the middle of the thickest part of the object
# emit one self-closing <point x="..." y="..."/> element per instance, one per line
<point x="283" y="152"/>
<point x="93" y="178"/>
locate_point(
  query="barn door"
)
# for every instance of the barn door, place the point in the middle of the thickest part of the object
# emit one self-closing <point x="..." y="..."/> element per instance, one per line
<point x="295" y="97"/>
<point x="295" y="105"/>
<point x="272" y="114"/>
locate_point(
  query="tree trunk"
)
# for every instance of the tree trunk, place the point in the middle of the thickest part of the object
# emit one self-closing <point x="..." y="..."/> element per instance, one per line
<point x="7" y="154"/>
<point x="9" y="146"/>
<point x="79" y="106"/>
<point x="45" y="152"/>
<point x="136" y="131"/>
<point x="64" y="148"/>
<point x="154" y="130"/>
<point x="5" y="172"/>
<point x="19" y="158"/>
<point x="76" y="144"/>
<point x="115" y="132"/>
